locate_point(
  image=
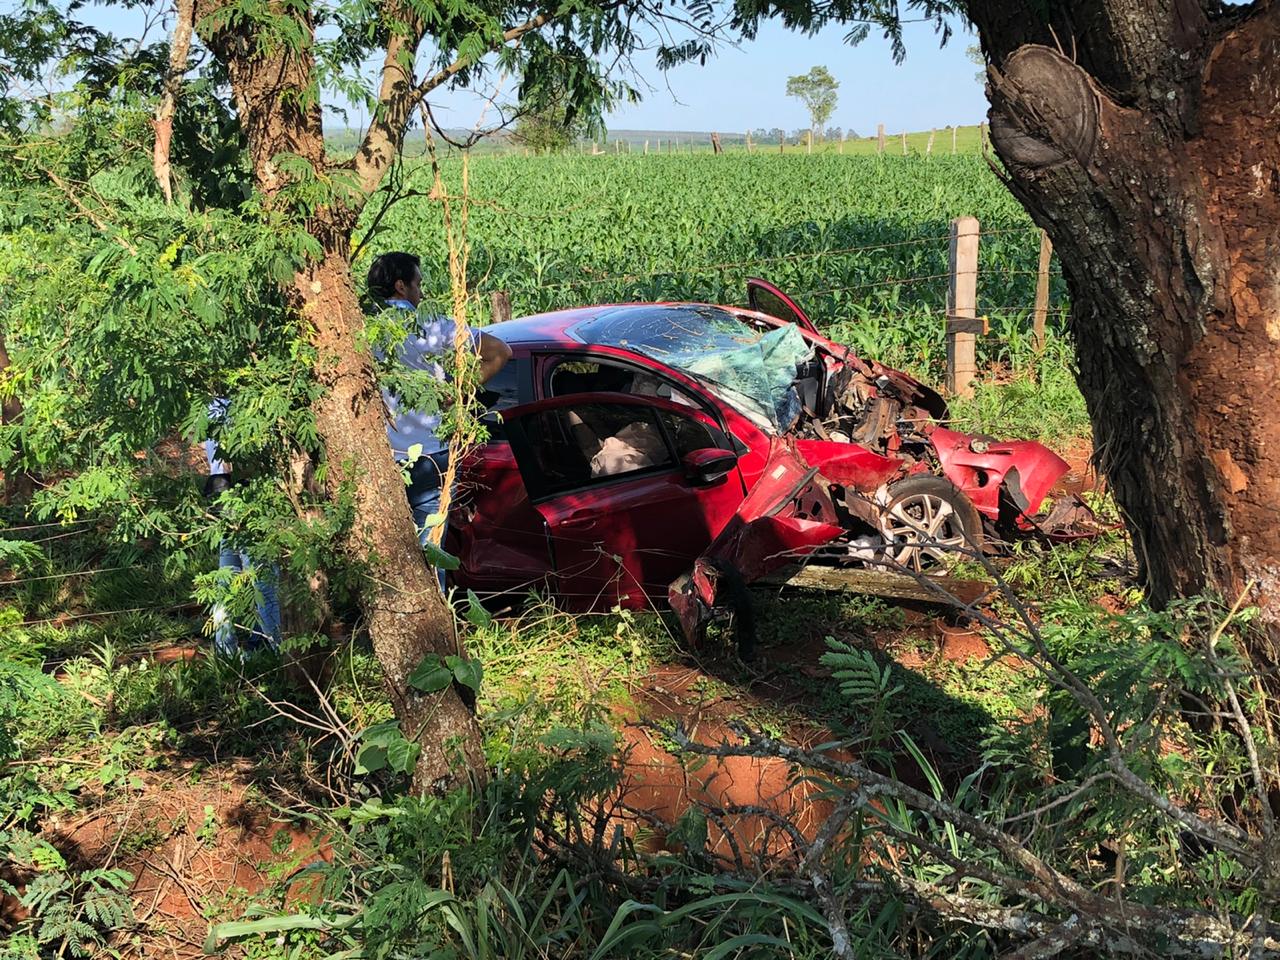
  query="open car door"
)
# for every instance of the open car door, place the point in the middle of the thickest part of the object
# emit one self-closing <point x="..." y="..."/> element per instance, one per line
<point x="631" y="489"/>
<point x="764" y="297"/>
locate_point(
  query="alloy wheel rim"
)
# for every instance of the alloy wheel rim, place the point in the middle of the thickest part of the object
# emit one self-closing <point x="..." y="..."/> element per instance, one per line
<point x="922" y="530"/>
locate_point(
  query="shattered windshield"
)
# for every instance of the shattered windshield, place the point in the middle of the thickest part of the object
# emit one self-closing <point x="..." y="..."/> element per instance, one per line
<point x="752" y="369"/>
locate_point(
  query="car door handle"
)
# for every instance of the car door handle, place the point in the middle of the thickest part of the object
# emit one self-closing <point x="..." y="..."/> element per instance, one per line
<point x="579" y="523"/>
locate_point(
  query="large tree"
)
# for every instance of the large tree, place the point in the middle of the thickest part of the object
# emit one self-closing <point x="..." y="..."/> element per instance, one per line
<point x="1144" y="136"/>
<point x="275" y="57"/>
<point x="817" y="91"/>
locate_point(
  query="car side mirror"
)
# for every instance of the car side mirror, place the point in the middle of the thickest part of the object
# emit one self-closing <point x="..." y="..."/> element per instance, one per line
<point x="708" y="465"/>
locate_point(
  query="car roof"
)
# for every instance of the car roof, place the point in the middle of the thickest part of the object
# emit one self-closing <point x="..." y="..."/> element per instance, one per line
<point x="554" y="327"/>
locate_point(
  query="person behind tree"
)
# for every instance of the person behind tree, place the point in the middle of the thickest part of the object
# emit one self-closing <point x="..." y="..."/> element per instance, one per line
<point x="395" y="279"/>
<point x="229" y="638"/>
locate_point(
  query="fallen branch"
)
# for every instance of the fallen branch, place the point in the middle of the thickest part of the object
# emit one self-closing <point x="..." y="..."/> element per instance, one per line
<point x="1113" y="923"/>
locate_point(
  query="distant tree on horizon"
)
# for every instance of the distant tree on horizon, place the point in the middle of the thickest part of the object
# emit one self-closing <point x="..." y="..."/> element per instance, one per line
<point x="974" y="53"/>
<point x="553" y="127"/>
<point x="817" y="91"/>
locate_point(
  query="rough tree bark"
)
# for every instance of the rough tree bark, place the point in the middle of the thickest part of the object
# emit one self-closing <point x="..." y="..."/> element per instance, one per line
<point x="407" y="617"/>
<point x="162" y="124"/>
<point x="1142" y="135"/>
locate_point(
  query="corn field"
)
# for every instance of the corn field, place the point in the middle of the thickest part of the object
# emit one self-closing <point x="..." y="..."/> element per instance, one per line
<point x="860" y="242"/>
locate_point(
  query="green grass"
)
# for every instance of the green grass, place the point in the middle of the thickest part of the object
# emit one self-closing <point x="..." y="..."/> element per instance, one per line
<point x="968" y="140"/>
<point x="1039" y="401"/>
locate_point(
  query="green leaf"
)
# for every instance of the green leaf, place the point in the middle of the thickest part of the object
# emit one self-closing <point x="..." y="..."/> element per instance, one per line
<point x="477" y="615"/>
<point x="466" y="671"/>
<point x="298" y="921"/>
<point x="402" y="756"/>
<point x="374" y="809"/>
<point x="735" y="944"/>
<point x="371" y="758"/>
<point x="382" y="734"/>
<point x="935" y="782"/>
<point x="431" y="675"/>
<point x="440" y="559"/>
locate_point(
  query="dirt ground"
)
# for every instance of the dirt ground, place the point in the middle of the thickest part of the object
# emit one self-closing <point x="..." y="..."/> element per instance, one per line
<point x="199" y="844"/>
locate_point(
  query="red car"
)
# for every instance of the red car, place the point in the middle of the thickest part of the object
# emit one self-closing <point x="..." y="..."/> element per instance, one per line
<point x="651" y="452"/>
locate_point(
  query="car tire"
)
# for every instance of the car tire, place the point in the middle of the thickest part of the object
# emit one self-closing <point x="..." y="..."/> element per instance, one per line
<point x="925" y="521"/>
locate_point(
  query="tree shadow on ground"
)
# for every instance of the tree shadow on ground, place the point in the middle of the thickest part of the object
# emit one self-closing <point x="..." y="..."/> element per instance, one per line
<point x="943" y="687"/>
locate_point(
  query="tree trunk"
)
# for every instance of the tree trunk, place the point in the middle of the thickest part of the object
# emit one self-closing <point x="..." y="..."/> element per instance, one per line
<point x="179" y="48"/>
<point x="15" y="485"/>
<point x="1148" y="152"/>
<point x="406" y="614"/>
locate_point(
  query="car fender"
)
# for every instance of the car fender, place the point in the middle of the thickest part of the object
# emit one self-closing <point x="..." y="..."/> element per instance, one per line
<point x="785" y="516"/>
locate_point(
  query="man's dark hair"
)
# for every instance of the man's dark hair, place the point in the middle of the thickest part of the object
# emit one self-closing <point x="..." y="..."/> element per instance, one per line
<point x="387" y="269"/>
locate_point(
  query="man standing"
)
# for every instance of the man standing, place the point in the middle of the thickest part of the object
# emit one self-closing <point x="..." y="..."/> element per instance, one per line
<point x="396" y="279"/>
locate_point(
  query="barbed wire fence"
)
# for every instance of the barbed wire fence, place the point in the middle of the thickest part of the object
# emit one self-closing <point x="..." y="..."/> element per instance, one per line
<point x="993" y="312"/>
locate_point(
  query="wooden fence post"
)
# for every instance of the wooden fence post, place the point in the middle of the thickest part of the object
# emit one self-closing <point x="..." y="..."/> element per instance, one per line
<point x="904" y="143"/>
<point x="928" y="148"/>
<point x="954" y="131"/>
<point x="962" y="308"/>
<point x="880" y="139"/>
<point x="749" y="146"/>
<point x="499" y="306"/>
<point x="1042" y="291"/>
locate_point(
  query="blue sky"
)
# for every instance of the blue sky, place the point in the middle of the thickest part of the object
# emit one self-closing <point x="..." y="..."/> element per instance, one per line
<point x="744" y="86"/>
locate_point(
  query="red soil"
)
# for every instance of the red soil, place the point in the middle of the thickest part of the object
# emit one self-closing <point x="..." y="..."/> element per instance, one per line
<point x="197" y="849"/>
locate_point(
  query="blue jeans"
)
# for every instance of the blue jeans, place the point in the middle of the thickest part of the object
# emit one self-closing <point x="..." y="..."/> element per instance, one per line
<point x="424" y="491"/>
<point x="227" y="635"/>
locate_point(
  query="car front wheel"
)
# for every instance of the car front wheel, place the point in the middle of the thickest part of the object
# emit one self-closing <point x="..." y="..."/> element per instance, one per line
<point x="925" y="521"/>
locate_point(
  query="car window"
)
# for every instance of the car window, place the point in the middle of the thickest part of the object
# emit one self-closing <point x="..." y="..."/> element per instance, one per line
<point x="764" y="301"/>
<point x="570" y="376"/>
<point x="503" y="389"/>
<point x="689" y="434"/>
<point x="574" y="447"/>
<point x="501" y="392"/>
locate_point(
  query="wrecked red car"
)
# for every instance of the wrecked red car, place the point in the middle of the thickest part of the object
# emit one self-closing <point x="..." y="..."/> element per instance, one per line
<point x="657" y="452"/>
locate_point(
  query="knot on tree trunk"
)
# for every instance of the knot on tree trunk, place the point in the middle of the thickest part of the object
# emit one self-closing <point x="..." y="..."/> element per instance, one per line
<point x="1044" y="109"/>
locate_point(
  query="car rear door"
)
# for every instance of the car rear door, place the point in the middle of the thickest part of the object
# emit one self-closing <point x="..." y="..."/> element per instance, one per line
<point x="497" y="536"/>
<point x="607" y="472"/>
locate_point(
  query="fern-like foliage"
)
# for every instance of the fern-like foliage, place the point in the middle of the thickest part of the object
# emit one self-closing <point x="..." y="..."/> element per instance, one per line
<point x="21" y="554"/>
<point x="75" y="914"/>
<point x="868" y="685"/>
